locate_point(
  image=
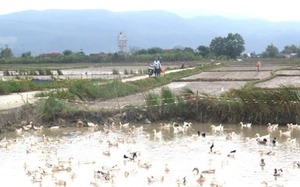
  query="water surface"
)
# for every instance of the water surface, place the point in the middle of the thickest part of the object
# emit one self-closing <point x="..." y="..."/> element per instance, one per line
<point x="75" y="157"/>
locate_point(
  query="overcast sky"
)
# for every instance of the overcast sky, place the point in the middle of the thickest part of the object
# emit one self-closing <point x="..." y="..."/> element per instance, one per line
<point x="267" y="9"/>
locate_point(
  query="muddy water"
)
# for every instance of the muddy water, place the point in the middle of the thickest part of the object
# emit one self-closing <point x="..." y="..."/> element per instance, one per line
<point x="76" y="157"/>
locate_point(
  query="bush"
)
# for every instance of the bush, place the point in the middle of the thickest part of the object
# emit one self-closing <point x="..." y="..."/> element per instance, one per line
<point x="51" y="107"/>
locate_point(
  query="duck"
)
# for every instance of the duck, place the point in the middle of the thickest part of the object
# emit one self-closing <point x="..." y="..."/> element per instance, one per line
<point x="231" y="154"/>
<point x="203" y="134"/>
<point x="128" y="158"/>
<point x="38" y="128"/>
<point x="19" y="131"/>
<point x="177" y="128"/>
<point x="270" y="153"/>
<point x="111" y="168"/>
<point x="54" y="127"/>
<point x="187" y="124"/>
<point x="285" y="133"/>
<point x="296" y="163"/>
<point x="125" y="125"/>
<point x="291" y="126"/>
<point x="230" y="136"/>
<point x="145" y="165"/>
<point x="79" y="124"/>
<point x="274" y="141"/>
<point x="181" y="181"/>
<point x="262" y="142"/>
<point x="27" y="127"/>
<point x="258" y="137"/>
<point x="167" y="168"/>
<point x="214" y="183"/>
<point x="194" y="137"/>
<point x="103" y="175"/>
<point x="211" y="147"/>
<point x="157" y="134"/>
<point x="152" y="179"/>
<point x="165" y="126"/>
<point x="209" y="171"/>
<point x="291" y="141"/>
<point x="247" y="125"/>
<point x="215" y="129"/>
<point x="262" y="162"/>
<point x="90" y="124"/>
<point x="106" y="152"/>
<point x="46" y="139"/>
<point x="201" y="179"/>
<point x="277" y="172"/>
<point x="195" y="171"/>
<point x="272" y="127"/>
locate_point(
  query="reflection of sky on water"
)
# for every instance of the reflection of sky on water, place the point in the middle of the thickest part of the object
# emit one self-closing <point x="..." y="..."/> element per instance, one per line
<point x="180" y="152"/>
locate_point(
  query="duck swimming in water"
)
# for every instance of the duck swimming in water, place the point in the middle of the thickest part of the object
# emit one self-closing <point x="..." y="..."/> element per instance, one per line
<point x="263" y="141"/>
<point x="211" y="147"/>
<point x="277" y="172"/>
<point x="274" y="141"/>
<point x="262" y="162"/>
<point x="231" y="153"/>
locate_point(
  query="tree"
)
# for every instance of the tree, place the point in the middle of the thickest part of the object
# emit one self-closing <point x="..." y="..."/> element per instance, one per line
<point x="271" y="51"/>
<point x="217" y="46"/>
<point x="204" y="51"/>
<point x="231" y="46"/>
<point x="289" y="49"/>
<point x="154" y="50"/>
<point x="6" y="52"/>
<point x="234" y="45"/>
<point x="26" y="54"/>
<point x="67" y="52"/>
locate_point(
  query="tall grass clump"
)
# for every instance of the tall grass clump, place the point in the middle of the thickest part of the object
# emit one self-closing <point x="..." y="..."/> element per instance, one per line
<point x="152" y="99"/>
<point x="115" y="72"/>
<point x="6" y="73"/>
<point x="48" y="72"/>
<point x="126" y="72"/>
<point x="59" y="72"/>
<point x="265" y="105"/>
<point x="41" y="72"/>
<point x="51" y="108"/>
<point x="167" y="96"/>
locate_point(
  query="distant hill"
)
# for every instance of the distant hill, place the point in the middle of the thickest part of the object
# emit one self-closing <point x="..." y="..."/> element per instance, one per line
<point x="96" y="31"/>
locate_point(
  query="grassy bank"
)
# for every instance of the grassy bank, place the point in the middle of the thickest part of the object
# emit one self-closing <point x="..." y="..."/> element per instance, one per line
<point x="248" y="104"/>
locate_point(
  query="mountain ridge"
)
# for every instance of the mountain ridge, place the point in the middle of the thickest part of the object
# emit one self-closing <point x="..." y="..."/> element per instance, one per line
<point x="94" y="31"/>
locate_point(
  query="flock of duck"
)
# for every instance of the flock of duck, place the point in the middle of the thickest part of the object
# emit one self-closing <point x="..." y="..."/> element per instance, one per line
<point x="173" y="154"/>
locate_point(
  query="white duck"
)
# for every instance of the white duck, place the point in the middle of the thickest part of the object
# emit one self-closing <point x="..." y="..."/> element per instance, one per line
<point x="247" y="125"/>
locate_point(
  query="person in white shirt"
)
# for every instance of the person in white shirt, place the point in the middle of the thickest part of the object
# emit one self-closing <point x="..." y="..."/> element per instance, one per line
<point x="157" y="67"/>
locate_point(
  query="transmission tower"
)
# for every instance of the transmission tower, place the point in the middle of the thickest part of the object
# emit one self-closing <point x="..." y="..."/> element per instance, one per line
<point x="122" y="43"/>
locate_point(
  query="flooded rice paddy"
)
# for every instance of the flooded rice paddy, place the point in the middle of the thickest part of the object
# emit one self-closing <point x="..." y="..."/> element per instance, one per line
<point x="94" y="156"/>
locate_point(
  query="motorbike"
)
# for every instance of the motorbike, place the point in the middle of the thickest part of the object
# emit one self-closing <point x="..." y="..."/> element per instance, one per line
<point x="150" y="70"/>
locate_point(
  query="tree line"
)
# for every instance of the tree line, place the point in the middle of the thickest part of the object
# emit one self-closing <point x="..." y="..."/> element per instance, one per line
<point x="230" y="47"/>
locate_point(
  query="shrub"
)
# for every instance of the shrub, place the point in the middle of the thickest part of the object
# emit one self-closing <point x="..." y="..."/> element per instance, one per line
<point x="52" y="107"/>
<point x="115" y="72"/>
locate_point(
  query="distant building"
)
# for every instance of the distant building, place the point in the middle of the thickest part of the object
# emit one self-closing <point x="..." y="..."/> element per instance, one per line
<point x="290" y="55"/>
<point x="101" y="54"/>
<point x="51" y="55"/>
<point x="122" y="43"/>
